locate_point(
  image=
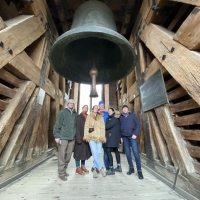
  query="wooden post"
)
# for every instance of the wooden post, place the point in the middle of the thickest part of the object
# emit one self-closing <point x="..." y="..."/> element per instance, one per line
<point x="175" y="143"/>
<point x="76" y="92"/>
<point x="106" y="96"/>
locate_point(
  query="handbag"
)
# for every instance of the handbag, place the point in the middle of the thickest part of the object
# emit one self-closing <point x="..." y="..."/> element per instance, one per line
<point x="92" y="129"/>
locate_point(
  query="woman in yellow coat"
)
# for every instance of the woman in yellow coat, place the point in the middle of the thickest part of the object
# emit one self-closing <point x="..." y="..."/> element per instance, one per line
<point x="94" y="133"/>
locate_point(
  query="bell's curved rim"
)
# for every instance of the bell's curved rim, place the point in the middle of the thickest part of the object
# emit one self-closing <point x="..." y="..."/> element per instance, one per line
<point x="93" y="31"/>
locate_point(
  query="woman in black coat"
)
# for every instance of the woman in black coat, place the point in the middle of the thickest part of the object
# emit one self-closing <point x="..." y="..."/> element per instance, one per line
<point x="112" y="140"/>
<point x="82" y="150"/>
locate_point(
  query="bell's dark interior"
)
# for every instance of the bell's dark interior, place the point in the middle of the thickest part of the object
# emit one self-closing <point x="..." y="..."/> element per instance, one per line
<point x="151" y="63"/>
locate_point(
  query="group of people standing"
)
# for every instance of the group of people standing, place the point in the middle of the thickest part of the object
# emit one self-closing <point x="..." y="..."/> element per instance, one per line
<point x="87" y="134"/>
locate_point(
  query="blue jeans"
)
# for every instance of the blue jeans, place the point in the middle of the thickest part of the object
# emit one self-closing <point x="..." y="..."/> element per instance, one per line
<point x="130" y="142"/>
<point x="105" y="158"/>
<point x="96" y="153"/>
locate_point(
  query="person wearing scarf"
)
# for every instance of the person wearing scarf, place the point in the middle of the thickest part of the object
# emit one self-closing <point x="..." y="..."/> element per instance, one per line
<point x="130" y="129"/>
<point x="82" y="150"/>
<point x="64" y="132"/>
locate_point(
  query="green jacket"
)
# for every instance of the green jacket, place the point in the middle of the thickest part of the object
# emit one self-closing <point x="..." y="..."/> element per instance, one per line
<point x="65" y="126"/>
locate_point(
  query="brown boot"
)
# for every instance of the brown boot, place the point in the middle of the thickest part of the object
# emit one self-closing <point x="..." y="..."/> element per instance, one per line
<point x="63" y="178"/>
<point x="79" y="171"/>
<point x="84" y="169"/>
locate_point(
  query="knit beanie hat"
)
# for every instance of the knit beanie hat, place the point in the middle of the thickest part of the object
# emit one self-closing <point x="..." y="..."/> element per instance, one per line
<point x="101" y="102"/>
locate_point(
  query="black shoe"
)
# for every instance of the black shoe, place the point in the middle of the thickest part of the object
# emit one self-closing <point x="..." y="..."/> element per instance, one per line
<point x="130" y="171"/>
<point x="110" y="171"/>
<point x="118" y="168"/>
<point x="92" y="169"/>
<point x="140" y="175"/>
<point x="107" y="168"/>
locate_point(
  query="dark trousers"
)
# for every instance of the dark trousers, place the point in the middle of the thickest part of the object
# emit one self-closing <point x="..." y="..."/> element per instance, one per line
<point x="110" y="158"/>
<point x="105" y="157"/>
<point x="130" y="142"/>
<point x="65" y="150"/>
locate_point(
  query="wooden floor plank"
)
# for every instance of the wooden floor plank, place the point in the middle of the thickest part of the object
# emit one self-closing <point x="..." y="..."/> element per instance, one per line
<point x="43" y="184"/>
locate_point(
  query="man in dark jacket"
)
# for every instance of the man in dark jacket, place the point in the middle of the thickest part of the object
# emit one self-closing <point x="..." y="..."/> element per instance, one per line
<point x="130" y="128"/>
<point x="64" y="132"/>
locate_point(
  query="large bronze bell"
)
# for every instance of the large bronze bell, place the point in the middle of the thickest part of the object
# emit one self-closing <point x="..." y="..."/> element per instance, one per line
<point x="93" y="35"/>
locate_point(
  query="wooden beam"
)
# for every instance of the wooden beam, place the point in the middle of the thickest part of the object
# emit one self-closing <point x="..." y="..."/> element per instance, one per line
<point x="6" y="91"/>
<point x="142" y="57"/>
<point x="106" y="96"/>
<point x="24" y="64"/>
<point x="140" y="138"/>
<point x="159" y="140"/>
<point x="155" y="154"/>
<point x="194" y="151"/>
<point x="36" y="51"/>
<point x="178" y="16"/>
<point x="177" y="149"/>
<point x="31" y="8"/>
<point x="29" y="144"/>
<point x="3" y="105"/>
<point x="9" y="78"/>
<point x="187" y="120"/>
<point x="144" y="10"/>
<point x="18" y="135"/>
<point x="45" y="122"/>
<point x="192" y="2"/>
<point x="41" y="144"/>
<point x="177" y="93"/>
<point x="185" y="69"/>
<point x="130" y="79"/>
<point x="2" y="24"/>
<point x="189" y="32"/>
<point x="19" y="33"/>
<point x="42" y="4"/>
<point x="54" y="107"/>
<point x="133" y="92"/>
<point x="126" y="20"/>
<point x="14" y="111"/>
<point x="53" y="113"/>
<point x="62" y="15"/>
<point x="154" y="16"/>
<point x="191" y="135"/>
<point x="170" y="83"/>
<point x="153" y="68"/>
<point x="197" y="167"/>
<point x="184" y="105"/>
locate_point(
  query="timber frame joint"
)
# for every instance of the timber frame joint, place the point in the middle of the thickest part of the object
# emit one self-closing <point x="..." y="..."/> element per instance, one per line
<point x="165" y="10"/>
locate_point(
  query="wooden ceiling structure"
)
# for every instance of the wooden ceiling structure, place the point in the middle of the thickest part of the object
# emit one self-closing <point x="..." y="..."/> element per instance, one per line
<point x="125" y="12"/>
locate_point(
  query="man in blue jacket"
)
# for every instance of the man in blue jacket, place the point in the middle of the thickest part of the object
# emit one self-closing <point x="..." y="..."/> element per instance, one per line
<point x="130" y="129"/>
